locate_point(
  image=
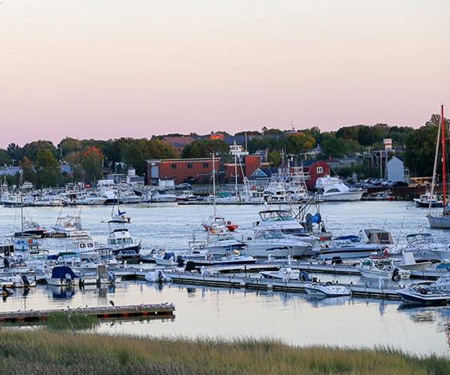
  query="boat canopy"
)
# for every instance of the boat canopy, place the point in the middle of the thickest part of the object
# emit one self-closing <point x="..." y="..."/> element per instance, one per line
<point x="419" y="237"/>
<point x="379" y="236"/>
<point x="276" y="215"/>
<point x="63" y="272"/>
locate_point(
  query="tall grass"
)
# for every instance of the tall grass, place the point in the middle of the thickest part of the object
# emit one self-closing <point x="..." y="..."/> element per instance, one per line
<point x="46" y="351"/>
<point x="73" y="321"/>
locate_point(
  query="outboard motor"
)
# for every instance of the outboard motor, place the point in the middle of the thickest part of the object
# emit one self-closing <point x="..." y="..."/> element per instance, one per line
<point x="190" y="266"/>
<point x="180" y="261"/>
<point x="395" y="275"/>
<point x="26" y="282"/>
<point x="304" y="276"/>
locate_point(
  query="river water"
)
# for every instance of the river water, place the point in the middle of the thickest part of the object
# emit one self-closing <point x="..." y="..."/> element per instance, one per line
<point x="209" y="312"/>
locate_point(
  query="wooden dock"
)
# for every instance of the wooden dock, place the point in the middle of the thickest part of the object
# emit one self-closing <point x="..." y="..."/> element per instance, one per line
<point x="154" y="311"/>
<point x="275" y="285"/>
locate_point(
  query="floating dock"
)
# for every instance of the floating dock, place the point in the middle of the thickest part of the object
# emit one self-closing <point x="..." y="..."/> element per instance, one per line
<point x="154" y="311"/>
<point x="275" y="285"/>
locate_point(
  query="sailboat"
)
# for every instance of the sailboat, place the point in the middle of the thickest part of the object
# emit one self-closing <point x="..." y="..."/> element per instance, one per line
<point x="119" y="217"/>
<point x="440" y="220"/>
<point x="215" y="223"/>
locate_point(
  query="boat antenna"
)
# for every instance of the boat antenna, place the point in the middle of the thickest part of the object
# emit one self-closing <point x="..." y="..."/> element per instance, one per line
<point x="399" y="234"/>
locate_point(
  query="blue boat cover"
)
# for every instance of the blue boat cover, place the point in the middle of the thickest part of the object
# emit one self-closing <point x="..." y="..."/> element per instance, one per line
<point x="60" y="272"/>
<point x="169" y="255"/>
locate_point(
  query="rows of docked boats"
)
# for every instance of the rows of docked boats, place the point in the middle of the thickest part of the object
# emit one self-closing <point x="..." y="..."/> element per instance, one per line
<point x="277" y="191"/>
<point x="277" y="234"/>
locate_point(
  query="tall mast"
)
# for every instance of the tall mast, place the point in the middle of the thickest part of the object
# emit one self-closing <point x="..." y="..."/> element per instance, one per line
<point x="433" y="181"/>
<point x="214" y="183"/>
<point x="444" y="169"/>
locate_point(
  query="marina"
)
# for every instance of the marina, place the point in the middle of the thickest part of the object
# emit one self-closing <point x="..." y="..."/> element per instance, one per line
<point x="245" y="280"/>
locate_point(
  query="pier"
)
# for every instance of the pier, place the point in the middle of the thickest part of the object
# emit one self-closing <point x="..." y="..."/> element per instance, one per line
<point x="275" y="285"/>
<point x="153" y="311"/>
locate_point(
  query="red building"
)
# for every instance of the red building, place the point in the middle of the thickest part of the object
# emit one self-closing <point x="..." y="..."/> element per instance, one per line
<point x="315" y="170"/>
<point x="181" y="170"/>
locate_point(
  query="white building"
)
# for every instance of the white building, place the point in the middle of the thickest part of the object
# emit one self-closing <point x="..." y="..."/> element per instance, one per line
<point x="396" y="170"/>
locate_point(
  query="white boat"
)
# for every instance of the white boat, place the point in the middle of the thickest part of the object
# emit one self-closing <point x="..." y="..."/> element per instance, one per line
<point x="221" y="242"/>
<point x="163" y="197"/>
<point x="334" y="189"/>
<point x="157" y="276"/>
<point x="286" y="223"/>
<point x="61" y="276"/>
<point x="327" y="290"/>
<point x="422" y="294"/>
<point x="379" y="241"/>
<point x="426" y="248"/>
<point x="273" y="243"/>
<point x="441" y="220"/>
<point x="284" y="274"/>
<point x="122" y="245"/>
<point x="382" y="268"/>
<point x="409" y="263"/>
<point x="165" y="258"/>
<point x="69" y="226"/>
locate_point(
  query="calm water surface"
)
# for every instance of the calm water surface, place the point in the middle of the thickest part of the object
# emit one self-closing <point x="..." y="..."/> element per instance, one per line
<point x="209" y="312"/>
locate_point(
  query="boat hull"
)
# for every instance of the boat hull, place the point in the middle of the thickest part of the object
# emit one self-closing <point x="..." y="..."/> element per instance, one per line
<point x="442" y="222"/>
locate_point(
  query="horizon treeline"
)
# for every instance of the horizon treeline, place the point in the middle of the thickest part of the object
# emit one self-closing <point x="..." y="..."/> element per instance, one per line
<point x="88" y="158"/>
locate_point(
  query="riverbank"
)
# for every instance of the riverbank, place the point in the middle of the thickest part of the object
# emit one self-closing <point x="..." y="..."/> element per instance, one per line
<point x="45" y="351"/>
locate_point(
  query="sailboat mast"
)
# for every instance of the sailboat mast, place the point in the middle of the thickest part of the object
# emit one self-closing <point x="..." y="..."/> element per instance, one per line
<point x="433" y="181"/>
<point x="214" y="183"/>
<point x="444" y="169"/>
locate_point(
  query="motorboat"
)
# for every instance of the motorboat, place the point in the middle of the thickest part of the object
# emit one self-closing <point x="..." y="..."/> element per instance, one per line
<point x="425" y="248"/>
<point x="379" y="241"/>
<point x="215" y="222"/>
<point x="408" y="262"/>
<point x="231" y="258"/>
<point x="31" y="229"/>
<point x="157" y="276"/>
<point x="69" y="226"/>
<point x="272" y="242"/>
<point x="383" y="268"/>
<point x="122" y="245"/>
<point x="284" y="274"/>
<point x="334" y="189"/>
<point x="61" y="276"/>
<point x="327" y="290"/>
<point x="221" y="241"/>
<point x="163" y="197"/>
<point x="165" y="258"/>
<point x="426" y="200"/>
<point x="422" y="294"/>
<point x="286" y="223"/>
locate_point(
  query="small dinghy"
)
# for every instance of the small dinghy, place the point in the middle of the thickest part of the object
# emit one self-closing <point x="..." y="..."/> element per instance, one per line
<point x="327" y="290"/>
<point x="284" y="274"/>
<point x="157" y="276"/>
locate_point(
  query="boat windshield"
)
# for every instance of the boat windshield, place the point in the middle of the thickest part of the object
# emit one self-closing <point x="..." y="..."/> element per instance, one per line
<point x="276" y="215"/>
<point x="270" y="234"/>
<point x="419" y="237"/>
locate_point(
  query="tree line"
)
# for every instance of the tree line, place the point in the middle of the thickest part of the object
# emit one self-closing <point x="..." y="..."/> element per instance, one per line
<point x="41" y="160"/>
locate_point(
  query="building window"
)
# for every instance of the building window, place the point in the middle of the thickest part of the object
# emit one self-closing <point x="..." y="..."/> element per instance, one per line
<point x="319" y="170"/>
<point x="205" y="165"/>
<point x="190" y="165"/>
<point x="173" y="166"/>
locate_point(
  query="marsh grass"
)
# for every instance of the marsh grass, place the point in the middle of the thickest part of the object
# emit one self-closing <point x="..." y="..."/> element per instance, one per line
<point x="70" y="321"/>
<point x="48" y="351"/>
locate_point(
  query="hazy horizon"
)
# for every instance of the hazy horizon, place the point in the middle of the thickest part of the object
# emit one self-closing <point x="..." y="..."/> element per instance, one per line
<point x="110" y="69"/>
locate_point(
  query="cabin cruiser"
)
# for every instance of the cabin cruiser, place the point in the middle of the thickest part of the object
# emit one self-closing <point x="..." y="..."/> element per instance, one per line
<point x="272" y="242"/>
<point x="424" y="247"/>
<point x="234" y="257"/>
<point x="347" y="247"/>
<point x="162" y="197"/>
<point x="334" y="189"/>
<point x="122" y="245"/>
<point x="382" y="268"/>
<point x="285" y="222"/>
<point x="425" y="200"/>
<point x="221" y="241"/>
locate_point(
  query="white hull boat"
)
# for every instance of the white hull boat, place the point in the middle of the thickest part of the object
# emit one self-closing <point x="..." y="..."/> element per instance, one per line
<point x="327" y="290"/>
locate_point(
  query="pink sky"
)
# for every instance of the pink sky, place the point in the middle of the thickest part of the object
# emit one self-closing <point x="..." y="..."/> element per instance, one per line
<point x="106" y="69"/>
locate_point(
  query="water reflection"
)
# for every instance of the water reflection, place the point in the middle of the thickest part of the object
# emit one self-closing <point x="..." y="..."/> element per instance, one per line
<point x="60" y="292"/>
